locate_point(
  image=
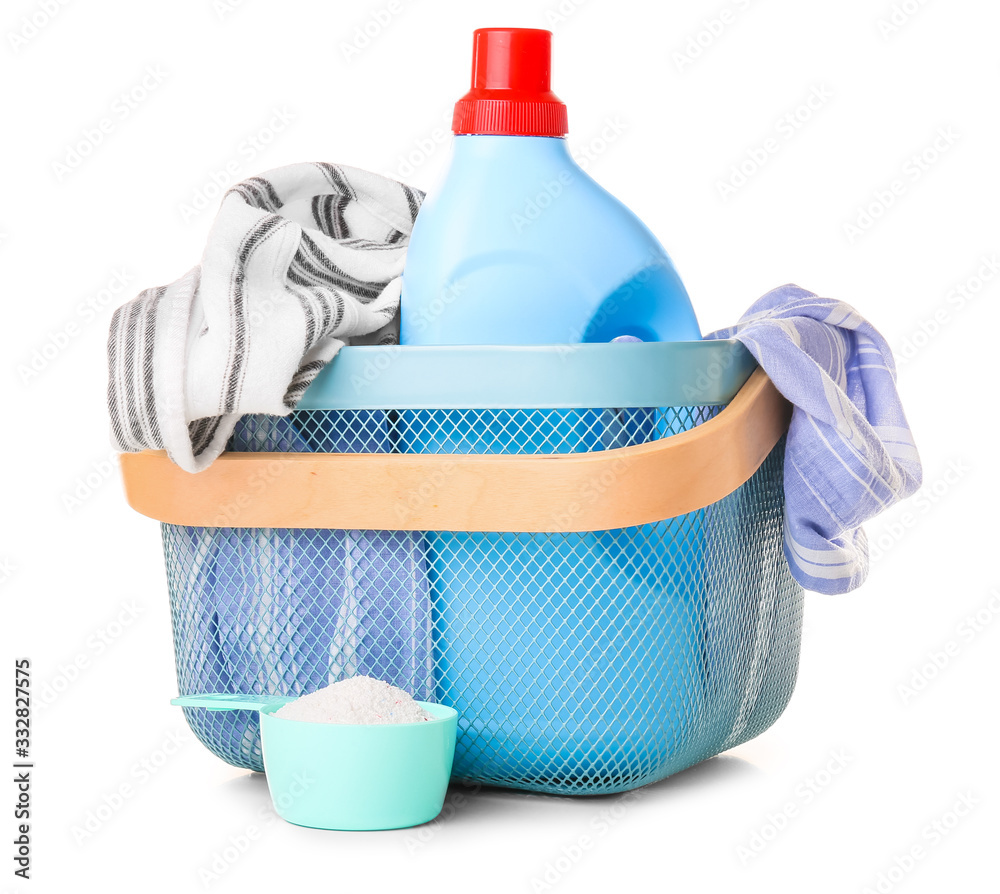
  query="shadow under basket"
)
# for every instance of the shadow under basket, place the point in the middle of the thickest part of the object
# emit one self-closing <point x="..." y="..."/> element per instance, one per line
<point x="577" y="548"/>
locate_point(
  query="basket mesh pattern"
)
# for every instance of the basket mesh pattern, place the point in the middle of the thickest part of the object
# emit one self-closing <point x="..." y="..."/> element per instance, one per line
<point x="465" y="431"/>
<point x="579" y="663"/>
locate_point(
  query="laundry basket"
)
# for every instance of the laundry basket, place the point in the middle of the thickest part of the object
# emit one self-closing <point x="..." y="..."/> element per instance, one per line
<point x="579" y="548"/>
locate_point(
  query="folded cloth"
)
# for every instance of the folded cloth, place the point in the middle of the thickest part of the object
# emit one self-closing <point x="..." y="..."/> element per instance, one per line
<point x="299" y="262"/>
<point x="290" y="611"/>
<point x="849" y="452"/>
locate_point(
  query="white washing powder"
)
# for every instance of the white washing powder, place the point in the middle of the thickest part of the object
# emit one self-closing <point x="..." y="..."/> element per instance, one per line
<point x="357" y="700"/>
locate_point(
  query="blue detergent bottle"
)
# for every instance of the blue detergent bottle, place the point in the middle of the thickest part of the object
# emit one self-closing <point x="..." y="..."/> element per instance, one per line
<point x="518" y="245"/>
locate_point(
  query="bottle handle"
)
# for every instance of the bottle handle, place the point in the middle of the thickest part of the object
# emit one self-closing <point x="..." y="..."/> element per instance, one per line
<point x="223" y="701"/>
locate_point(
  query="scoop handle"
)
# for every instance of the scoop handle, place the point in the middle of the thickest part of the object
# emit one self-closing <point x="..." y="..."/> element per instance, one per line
<point x="236" y="701"/>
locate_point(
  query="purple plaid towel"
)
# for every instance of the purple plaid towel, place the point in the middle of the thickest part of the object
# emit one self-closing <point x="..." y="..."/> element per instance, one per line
<point x="849" y="453"/>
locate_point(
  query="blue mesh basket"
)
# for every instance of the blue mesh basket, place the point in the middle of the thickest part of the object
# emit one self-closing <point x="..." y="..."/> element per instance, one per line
<point x="580" y="661"/>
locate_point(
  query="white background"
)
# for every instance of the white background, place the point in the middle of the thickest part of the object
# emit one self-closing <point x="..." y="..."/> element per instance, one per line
<point x="74" y="555"/>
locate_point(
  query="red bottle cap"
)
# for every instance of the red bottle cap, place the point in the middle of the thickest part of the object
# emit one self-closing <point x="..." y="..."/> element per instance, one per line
<point x="510" y="86"/>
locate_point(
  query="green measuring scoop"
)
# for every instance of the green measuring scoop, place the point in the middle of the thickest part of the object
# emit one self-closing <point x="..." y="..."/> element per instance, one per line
<point x="349" y="776"/>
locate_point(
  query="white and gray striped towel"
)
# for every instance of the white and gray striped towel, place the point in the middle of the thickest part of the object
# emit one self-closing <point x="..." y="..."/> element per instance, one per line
<point x="299" y="262"/>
